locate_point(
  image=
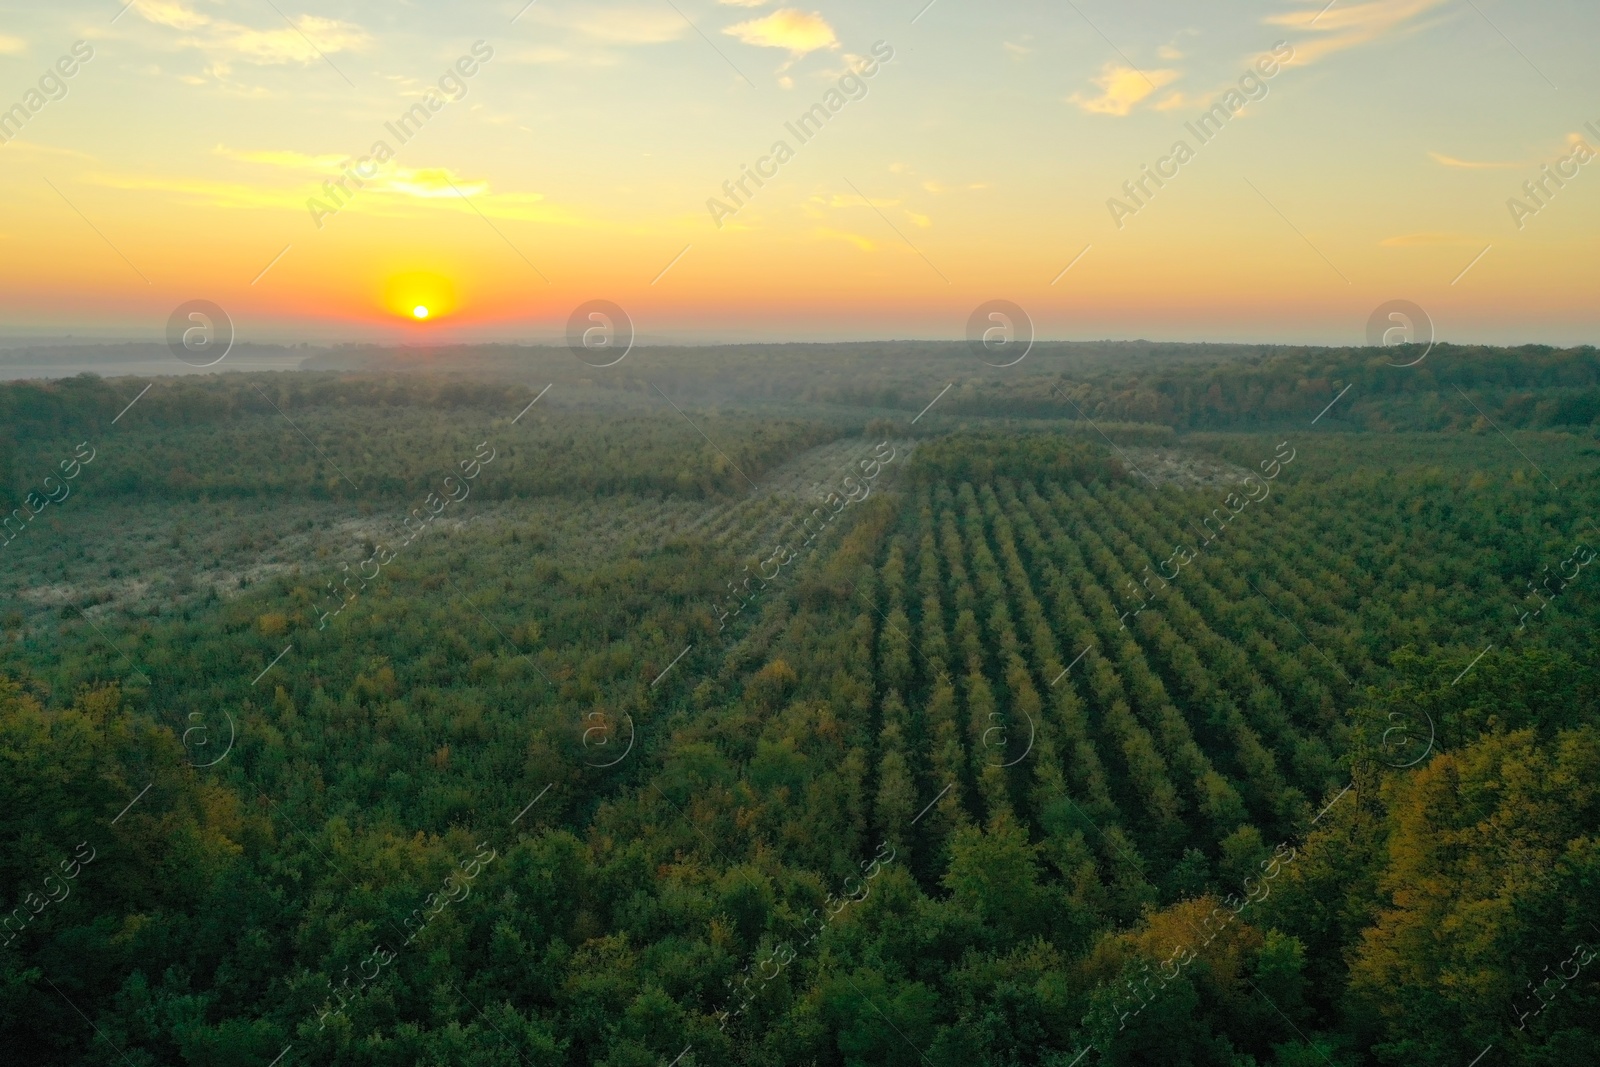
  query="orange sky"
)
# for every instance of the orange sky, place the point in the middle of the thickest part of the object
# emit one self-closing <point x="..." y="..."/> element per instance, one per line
<point x="581" y="151"/>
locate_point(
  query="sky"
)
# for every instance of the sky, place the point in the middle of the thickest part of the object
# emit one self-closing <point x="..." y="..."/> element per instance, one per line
<point x="958" y="152"/>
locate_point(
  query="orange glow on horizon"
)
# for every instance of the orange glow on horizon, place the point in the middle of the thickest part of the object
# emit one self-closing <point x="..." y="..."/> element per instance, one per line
<point x="419" y="296"/>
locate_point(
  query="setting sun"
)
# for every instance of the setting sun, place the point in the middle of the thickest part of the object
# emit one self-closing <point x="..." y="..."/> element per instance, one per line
<point x="419" y="296"/>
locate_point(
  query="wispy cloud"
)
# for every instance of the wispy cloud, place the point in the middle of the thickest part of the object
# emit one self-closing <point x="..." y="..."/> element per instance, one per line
<point x="817" y="207"/>
<point x="838" y="200"/>
<point x="202" y="191"/>
<point x="1573" y="140"/>
<point x="1177" y="100"/>
<point x="169" y="13"/>
<point x="298" y="42"/>
<point x="556" y="56"/>
<point x="283" y="158"/>
<point x="432" y="183"/>
<point x="1417" y="240"/>
<point x="1121" y="89"/>
<point x="12" y="46"/>
<point x="787" y="28"/>
<point x="1321" y="31"/>
<point x="652" y="24"/>
<point x="17" y="146"/>
<point x="829" y="234"/>
<point x="396" y="191"/>
<point x="422" y="182"/>
<point x="1347" y="25"/>
<point x="305" y="42"/>
<point x="1467" y="164"/>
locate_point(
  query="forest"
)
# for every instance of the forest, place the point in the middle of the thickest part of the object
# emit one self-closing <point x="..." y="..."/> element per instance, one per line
<point x="1153" y="704"/>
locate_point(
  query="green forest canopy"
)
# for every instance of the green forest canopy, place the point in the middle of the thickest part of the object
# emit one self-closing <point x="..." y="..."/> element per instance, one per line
<point x="992" y="772"/>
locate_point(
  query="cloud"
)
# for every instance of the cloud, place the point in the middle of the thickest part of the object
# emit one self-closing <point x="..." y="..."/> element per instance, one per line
<point x="248" y="92"/>
<point x="296" y="43"/>
<point x="742" y="3"/>
<point x="1121" y="89"/>
<point x="1181" y="101"/>
<point x="390" y="191"/>
<point x="1176" y="100"/>
<point x="429" y="183"/>
<point x="202" y="191"/>
<point x="788" y="28"/>
<point x="285" y="159"/>
<point x="394" y="192"/>
<point x="171" y="14"/>
<point x="17" y="146"/>
<point x="850" y="63"/>
<point x="1465" y="164"/>
<point x="12" y="46"/>
<point x="1573" y="141"/>
<point x="1413" y="240"/>
<point x="1348" y="25"/>
<point x="618" y="25"/>
<point x="827" y="233"/>
<point x="841" y="200"/>
<point x="1337" y="28"/>
<point x="304" y="43"/>
<point x="549" y="54"/>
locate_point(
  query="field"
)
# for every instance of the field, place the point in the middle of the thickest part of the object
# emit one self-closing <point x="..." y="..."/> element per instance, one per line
<point x="410" y="719"/>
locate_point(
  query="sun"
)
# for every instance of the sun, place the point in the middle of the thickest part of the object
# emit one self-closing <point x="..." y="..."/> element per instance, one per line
<point x="422" y="298"/>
